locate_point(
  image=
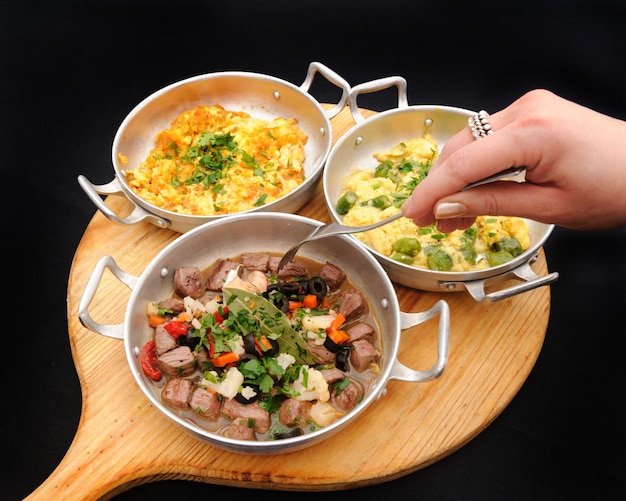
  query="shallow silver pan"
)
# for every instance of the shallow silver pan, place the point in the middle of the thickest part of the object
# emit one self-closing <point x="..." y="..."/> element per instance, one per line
<point x="261" y="96"/>
<point x="265" y="232"/>
<point x="382" y="132"/>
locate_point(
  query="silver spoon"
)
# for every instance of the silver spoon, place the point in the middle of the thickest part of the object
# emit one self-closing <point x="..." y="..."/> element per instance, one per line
<point x="332" y="229"/>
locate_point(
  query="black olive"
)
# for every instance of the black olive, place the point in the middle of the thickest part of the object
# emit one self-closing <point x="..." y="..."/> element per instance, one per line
<point x="331" y="346"/>
<point x="318" y="287"/>
<point x="248" y="356"/>
<point x="342" y="359"/>
<point x="290" y="289"/>
<point x="243" y="400"/>
<point x="277" y="297"/>
<point x="283" y="305"/>
<point x="272" y="288"/>
<point x="189" y="339"/>
<point x="248" y="344"/>
<point x="293" y="432"/>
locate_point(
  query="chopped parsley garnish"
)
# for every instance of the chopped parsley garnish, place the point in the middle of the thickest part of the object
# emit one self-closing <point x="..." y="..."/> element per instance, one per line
<point x="212" y="155"/>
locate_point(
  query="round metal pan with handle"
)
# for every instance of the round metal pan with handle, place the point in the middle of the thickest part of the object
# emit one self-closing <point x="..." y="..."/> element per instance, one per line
<point x="261" y="96"/>
<point x="267" y="232"/>
<point x="383" y="131"/>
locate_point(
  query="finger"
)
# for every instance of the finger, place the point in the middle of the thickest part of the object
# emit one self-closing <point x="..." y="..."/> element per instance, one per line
<point x="449" y="225"/>
<point x="473" y="162"/>
<point x="504" y="198"/>
<point x="464" y="137"/>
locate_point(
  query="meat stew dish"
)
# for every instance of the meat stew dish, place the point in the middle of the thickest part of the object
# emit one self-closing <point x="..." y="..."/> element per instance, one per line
<point x="252" y="353"/>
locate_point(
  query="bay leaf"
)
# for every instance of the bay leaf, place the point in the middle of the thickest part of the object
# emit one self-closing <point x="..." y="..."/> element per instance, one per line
<point x="273" y="323"/>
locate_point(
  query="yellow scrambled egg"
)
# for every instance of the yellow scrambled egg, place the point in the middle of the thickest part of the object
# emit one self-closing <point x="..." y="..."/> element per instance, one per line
<point x="380" y="194"/>
<point x="213" y="161"/>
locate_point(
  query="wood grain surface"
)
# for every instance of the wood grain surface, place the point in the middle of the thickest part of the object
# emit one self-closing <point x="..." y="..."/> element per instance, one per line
<point x="122" y="440"/>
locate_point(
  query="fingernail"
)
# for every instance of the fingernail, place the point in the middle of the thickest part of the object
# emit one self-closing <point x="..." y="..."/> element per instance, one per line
<point x="448" y="210"/>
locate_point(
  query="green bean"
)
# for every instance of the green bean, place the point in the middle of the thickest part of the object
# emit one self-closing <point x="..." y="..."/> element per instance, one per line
<point x="402" y="258"/>
<point x="439" y="260"/>
<point x="346" y="202"/>
<point x="383" y="169"/>
<point x="381" y="202"/>
<point x="498" y="257"/>
<point x="407" y="245"/>
<point x="468" y="251"/>
<point x="510" y="245"/>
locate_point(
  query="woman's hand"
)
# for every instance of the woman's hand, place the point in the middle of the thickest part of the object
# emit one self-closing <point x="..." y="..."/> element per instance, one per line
<point x="575" y="161"/>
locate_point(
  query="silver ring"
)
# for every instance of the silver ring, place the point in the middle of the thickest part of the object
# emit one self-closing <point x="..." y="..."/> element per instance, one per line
<point x="479" y="124"/>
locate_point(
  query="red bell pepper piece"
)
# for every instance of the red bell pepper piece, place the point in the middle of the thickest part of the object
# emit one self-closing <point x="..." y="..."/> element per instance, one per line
<point x="220" y="317"/>
<point x="148" y="357"/>
<point x="211" y="346"/>
<point x="176" y="328"/>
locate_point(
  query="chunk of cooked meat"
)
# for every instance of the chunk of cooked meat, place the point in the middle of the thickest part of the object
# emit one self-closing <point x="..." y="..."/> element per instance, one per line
<point x="206" y="403"/>
<point x="173" y="304"/>
<point x="177" y="392"/>
<point x="177" y="362"/>
<point x="321" y="353"/>
<point x="293" y="269"/>
<point x="189" y="281"/>
<point x="359" y="331"/>
<point x="332" y="275"/>
<point x="332" y="374"/>
<point x="240" y="429"/>
<point x="163" y="340"/>
<point x="294" y="412"/>
<point x="259" y="418"/>
<point x="348" y="397"/>
<point x="362" y="355"/>
<point x="218" y="274"/>
<point x="351" y="303"/>
<point x="255" y="261"/>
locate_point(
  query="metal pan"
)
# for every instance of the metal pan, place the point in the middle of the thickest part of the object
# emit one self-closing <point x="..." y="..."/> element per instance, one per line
<point x="382" y="132"/>
<point x="261" y="96"/>
<point x="265" y="232"/>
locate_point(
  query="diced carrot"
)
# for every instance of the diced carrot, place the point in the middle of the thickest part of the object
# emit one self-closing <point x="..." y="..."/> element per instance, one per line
<point x="294" y="305"/>
<point x="337" y="322"/>
<point x="183" y="316"/>
<point x="155" y="320"/>
<point x="333" y="330"/>
<point x="224" y="359"/>
<point x="262" y="344"/>
<point x="338" y="336"/>
<point x="310" y="301"/>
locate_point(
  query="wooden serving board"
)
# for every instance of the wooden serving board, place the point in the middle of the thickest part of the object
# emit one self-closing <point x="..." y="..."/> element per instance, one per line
<point x="122" y="440"/>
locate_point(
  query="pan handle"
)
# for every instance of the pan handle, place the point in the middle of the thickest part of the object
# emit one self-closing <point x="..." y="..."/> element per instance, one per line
<point x="138" y="214"/>
<point x="402" y="372"/>
<point x="530" y="281"/>
<point x="333" y="78"/>
<point x="114" y="331"/>
<point x="375" y="86"/>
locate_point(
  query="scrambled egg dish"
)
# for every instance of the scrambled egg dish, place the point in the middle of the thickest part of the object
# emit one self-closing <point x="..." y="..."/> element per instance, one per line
<point x="214" y="161"/>
<point x="371" y="195"/>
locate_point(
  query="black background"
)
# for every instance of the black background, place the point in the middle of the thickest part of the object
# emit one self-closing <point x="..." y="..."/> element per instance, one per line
<point x="71" y="71"/>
